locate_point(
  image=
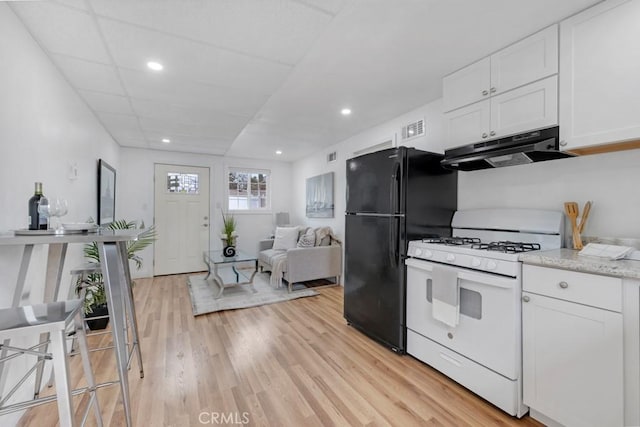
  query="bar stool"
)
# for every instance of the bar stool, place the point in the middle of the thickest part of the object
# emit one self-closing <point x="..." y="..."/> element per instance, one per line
<point x="79" y="279"/>
<point x="56" y="320"/>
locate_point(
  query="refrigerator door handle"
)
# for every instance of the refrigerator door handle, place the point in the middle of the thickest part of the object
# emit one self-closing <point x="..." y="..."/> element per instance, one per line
<point x="395" y="189"/>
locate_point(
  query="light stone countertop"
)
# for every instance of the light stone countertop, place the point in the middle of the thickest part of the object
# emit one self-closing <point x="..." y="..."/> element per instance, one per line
<point x="568" y="259"/>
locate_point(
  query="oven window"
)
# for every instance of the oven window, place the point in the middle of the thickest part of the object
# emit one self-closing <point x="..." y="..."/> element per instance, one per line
<point x="470" y="301"/>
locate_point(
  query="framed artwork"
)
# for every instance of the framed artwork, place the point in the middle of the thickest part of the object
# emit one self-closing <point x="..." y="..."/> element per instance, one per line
<point x="106" y="193"/>
<point x="320" y="196"/>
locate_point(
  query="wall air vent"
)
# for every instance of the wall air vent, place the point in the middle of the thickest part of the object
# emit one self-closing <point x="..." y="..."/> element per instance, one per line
<point x="413" y="130"/>
<point x="331" y="157"/>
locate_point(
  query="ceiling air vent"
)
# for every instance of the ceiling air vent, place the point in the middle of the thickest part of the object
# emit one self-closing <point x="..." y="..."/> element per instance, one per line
<point x="331" y="157"/>
<point x="413" y="129"/>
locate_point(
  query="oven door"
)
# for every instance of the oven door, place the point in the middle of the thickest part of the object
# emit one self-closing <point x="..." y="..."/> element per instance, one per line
<point x="488" y="331"/>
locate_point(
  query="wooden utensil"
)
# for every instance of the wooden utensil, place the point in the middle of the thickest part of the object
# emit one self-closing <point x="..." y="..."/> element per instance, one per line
<point x="585" y="215"/>
<point x="572" y="210"/>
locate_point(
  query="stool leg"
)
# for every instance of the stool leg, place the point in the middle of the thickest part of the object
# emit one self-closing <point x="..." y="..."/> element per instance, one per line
<point x="86" y="365"/>
<point x="130" y="307"/>
<point x="63" y="384"/>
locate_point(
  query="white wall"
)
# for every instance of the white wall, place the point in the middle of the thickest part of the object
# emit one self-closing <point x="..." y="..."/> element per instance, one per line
<point x="317" y="163"/>
<point x="136" y="194"/>
<point x="609" y="180"/>
<point x="44" y="127"/>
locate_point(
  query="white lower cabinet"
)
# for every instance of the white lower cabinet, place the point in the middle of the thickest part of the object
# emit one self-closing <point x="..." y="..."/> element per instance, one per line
<point x="572" y="355"/>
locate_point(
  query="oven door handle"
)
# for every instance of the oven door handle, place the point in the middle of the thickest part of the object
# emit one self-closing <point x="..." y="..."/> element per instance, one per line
<point x="482" y="278"/>
<point x="487" y="279"/>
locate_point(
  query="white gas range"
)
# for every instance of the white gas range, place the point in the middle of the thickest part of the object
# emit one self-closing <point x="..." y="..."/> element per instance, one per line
<point x="463" y="298"/>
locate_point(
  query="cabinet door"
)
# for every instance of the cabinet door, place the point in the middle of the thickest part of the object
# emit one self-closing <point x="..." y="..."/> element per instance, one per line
<point x="526" y="61"/>
<point x="572" y="362"/>
<point x="599" y="75"/>
<point x="529" y="107"/>
<point x="467" y="125"/>
<point x="467" y="85"/>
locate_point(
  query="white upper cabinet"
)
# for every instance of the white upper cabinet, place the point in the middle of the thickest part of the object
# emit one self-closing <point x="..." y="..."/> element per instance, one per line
<point x="600" y="75"/>
<point x="466" y="86"/>
<point x="529" y="107"/>
<point x="512" y="91"/>
<point x="528" y="60"/>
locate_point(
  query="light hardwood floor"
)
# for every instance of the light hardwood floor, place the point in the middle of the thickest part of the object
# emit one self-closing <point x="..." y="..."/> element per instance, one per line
<point x="295" y="363"/>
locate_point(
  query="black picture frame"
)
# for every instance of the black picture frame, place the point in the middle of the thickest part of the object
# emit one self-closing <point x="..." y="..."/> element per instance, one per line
<point x="106" y="193"/>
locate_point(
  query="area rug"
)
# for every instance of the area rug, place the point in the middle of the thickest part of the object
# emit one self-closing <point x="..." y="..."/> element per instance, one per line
<point x="203" y="294"/>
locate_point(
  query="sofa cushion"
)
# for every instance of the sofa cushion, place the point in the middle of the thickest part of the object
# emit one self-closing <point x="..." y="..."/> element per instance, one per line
<point x="308" y="239"/>
<point x="267" y="255"/>
<point x="285" y="238"/>
<point x="323" y="236"/>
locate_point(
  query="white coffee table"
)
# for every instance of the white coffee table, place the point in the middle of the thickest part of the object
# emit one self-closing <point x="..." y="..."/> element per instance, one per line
<point x="228" y="277"/>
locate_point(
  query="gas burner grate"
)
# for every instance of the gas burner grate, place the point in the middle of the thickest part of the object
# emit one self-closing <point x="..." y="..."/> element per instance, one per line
<point x="453" y="241"/>
<point x="507" y="246"/>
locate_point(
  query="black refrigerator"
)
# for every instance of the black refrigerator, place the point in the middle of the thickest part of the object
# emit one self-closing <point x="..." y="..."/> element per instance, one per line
<point x="393" y="196"/>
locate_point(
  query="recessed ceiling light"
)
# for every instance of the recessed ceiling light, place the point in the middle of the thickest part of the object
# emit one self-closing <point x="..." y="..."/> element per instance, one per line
<point x="166" y="140"/>
<point x="345" y="111"/>
<point x="155" y="66"/>
<point x="278" y="152"/>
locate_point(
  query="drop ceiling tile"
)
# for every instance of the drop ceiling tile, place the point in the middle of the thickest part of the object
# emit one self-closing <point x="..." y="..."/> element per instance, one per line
<point x="223" y="123"/>
<point x="282" y="31"/>
<point x="329" y="6"/>
<point x="78" y="4"/>
<point x="132" y="47"/>
<point x="154" y="86"/>
<point x="89" y="75"/>
<point x="60" y="29"/>
<point x="173" y="127"/>
<point x="106" y="103"/>
<point x="121" y="126"/>
<point x="189" y="140"/>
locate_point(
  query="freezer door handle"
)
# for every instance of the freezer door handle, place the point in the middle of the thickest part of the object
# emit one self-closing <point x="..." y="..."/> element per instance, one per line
<point x="394" y="240"/>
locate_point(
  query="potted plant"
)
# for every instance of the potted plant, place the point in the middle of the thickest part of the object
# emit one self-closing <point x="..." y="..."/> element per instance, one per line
<point x="229" y="234"/>
<point x="95" y="297"/>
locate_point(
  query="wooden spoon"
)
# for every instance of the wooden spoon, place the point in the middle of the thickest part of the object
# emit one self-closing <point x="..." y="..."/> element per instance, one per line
<point x="585" y="215"/>
<point x="571" y="209"/>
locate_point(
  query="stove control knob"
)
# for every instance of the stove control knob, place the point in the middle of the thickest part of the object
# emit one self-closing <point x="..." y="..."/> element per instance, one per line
<point x="475" y="262"/>
<point x="491" y="265"/>
<point x="418" y="252"/>
<point x="427" y="253"/>
<point x="451" y="257"/>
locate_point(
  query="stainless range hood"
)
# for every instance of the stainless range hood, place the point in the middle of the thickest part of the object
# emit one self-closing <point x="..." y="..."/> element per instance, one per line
<point x="530" y="147"/>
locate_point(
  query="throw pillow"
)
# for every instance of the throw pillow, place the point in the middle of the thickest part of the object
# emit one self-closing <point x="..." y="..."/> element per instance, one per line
<point x="286" y="238"/>
<point x="323" y="236"/>
<point x="308" y="239"/>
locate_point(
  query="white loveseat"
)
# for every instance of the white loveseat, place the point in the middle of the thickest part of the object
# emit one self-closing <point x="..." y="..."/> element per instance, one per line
<point x="301" y="264"/>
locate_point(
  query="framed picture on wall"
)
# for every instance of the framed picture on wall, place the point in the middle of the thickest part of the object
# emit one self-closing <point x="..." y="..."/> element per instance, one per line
<point x="320" y="196"/>
<point x="106" y="193"/>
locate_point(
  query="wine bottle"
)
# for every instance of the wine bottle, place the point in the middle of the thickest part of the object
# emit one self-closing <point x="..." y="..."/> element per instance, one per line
<point x="34" y="216"/>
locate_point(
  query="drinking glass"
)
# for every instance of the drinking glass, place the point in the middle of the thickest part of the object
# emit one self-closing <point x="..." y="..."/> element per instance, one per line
<point x="43" y="209"/>
<point x="57" y="209"/>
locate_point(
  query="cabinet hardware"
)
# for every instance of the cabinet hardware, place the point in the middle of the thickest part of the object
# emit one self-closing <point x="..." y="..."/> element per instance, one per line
<point x="485" y="92"/>
<point x="526" y="298"/>
<point x="484" y="135"/>
<point x="563" y="285"/>
<point x="493" y="90"/>
<point x="205" y="225"/>
<point x="563" y="143"/>
<point x="492" y="133"/>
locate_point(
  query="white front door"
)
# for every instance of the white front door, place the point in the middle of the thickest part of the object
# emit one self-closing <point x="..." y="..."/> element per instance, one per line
<point x="181" y="218"/>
